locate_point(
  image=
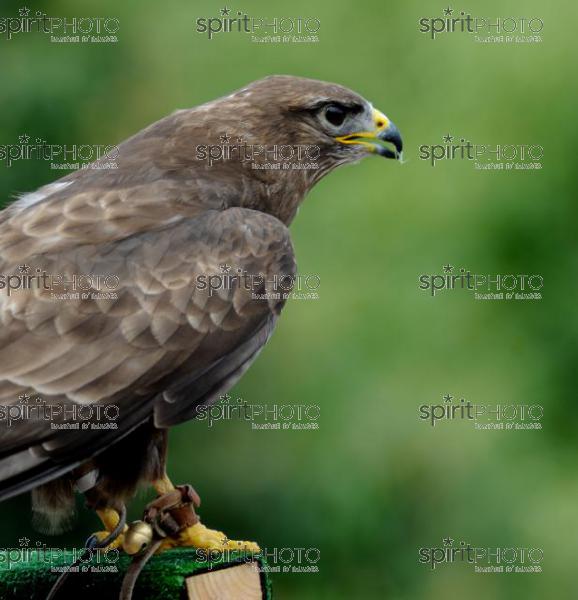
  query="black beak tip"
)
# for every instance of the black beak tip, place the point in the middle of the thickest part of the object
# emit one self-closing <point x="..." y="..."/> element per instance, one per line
<point x="391" y="135"/>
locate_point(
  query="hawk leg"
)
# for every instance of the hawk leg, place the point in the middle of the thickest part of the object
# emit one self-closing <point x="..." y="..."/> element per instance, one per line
<point x="180" y="526"/>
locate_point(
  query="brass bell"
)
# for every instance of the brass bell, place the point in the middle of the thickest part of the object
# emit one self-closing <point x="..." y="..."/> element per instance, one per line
<point x="138" y="537"/>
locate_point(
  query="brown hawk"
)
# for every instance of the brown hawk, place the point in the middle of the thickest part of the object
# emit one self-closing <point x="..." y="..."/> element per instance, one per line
<point x="204" y="187"/>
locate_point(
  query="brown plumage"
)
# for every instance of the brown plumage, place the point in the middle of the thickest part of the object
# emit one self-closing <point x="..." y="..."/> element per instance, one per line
<point x="163" y="347"/>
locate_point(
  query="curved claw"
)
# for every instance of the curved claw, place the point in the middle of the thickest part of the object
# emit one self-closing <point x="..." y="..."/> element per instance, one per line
<point x="92" y="541"/>
<point x="109" y="539"/>
<point x="104" y="540"/>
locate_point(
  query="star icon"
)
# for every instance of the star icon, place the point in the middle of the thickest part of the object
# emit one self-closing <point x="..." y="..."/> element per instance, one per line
<point x="448" y="398"/>
<point x="448" y="268"/>
<point x="24" y="12"/>
<point x="24" y="139"/>
<point x="448" y="541"/>
<point x="225" y="397"/>
<point x="448" y="139"/>
<point x="225" y="268"/>
<point x="448" y="11"/>
<point x="225" y="12"/>
<point x="23" y="398"/>
<point x="24" y="268"/>
<point x="225" y="541"/>
<point x="224" y="139"/>
<point x="24" y="541"/>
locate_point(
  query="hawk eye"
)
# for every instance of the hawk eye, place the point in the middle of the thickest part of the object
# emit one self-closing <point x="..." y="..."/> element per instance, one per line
<point x="335" y="115"/>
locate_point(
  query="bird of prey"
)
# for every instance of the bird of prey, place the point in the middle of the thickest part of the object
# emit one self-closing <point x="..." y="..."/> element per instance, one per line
<point x="190" y="193"/>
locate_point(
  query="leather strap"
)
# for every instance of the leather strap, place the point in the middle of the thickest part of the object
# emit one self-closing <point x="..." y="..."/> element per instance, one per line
<point x="170" y="513"/>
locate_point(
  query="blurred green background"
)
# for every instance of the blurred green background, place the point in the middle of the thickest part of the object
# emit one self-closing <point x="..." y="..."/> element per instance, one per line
<point x="374" y="483"/>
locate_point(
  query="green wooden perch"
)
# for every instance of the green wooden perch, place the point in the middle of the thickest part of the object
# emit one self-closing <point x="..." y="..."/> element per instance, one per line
<point x="173" y="575"/>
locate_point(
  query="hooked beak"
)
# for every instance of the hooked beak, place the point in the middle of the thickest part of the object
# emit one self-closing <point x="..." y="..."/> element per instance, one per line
<point x="377" y="141"/>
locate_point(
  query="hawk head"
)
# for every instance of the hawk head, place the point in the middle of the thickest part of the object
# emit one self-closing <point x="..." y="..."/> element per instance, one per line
<point x="307" y="127"/>
<point x="343" y="124"/>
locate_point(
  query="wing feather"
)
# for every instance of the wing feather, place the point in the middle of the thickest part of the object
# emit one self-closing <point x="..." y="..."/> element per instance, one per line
<point x="163" y="346"/>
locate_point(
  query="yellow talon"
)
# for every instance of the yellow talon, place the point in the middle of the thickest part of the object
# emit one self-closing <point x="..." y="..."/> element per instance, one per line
<point x="199" y="536"/>
<point x="110" y="519"/>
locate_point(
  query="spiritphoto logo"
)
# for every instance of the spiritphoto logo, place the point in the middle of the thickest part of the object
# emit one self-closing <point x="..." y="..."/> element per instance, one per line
<point x="483" y="559"/>
<point x="62" y="286"/>
<point x="298" y="287"/>
<point x="61" y="29"/>
<point x="60" y="415"/>
<point x="272" y="30"/>
<point x="60" y="156"/>
<point x="519" y="286"/>
<point x="486" y="30"/>
<point x="508" y="417"/>
<point x="273" y="157"/>
<point x="282" y="417"/>
<point x="96" y="560"/>
<point x="283" y="559"/>
<point x="484" y="157"/>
